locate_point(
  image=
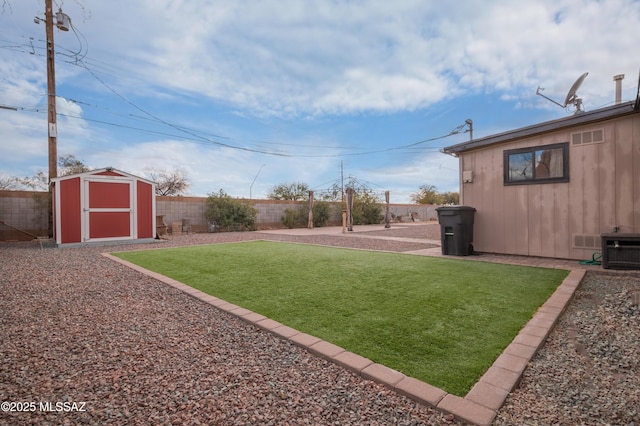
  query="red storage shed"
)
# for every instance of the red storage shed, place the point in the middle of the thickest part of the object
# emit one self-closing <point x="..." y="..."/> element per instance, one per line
<point x="103" y="205"/>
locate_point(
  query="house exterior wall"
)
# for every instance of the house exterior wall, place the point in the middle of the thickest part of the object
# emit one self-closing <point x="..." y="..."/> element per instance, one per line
<point x="561" y="220"/>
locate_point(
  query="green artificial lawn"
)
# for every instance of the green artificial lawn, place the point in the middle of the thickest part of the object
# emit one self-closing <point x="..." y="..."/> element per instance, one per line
<point x="442" y="321"/>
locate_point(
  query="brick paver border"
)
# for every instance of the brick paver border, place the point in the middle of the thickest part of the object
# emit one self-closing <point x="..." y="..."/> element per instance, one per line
<point x="478" y="407"/>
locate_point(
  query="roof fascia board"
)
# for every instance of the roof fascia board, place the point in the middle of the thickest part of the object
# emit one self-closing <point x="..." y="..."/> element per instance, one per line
<point x="546" y="127"/>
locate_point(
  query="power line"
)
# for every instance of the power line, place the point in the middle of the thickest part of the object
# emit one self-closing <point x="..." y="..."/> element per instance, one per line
<point x="208" y="141"/>
<point x="212" y="139"/>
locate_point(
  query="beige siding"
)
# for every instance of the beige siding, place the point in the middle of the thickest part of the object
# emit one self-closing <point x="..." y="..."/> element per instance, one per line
<point x="634" y="135"/>
<point x="607" y="180"/>
<point x="543" y="219"/>
<point x="562" y="239"/>
<point x="624" y="182"/>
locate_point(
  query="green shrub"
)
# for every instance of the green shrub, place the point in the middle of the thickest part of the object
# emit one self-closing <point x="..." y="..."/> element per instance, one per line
<point x="366" y="209"/>
<point x="321" y="213"/>
<point x="298" y="218"/>
<point x="295" y="218"/>
<point x="230" y="213"/>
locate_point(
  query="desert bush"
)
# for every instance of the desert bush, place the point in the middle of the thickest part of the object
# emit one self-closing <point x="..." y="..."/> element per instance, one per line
<point x="295" y="218"/>
<point x="321" y="213"/>
<point x="366" y="209"/>
<point x="230" y="213"/>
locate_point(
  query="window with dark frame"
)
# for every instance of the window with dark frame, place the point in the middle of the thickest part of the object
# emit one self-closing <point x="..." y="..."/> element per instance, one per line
<point x="539" y="164"/>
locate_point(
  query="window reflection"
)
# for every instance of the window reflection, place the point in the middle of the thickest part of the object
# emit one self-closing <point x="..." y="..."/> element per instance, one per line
<point x="521" y="166"/>
<point x="549" y="163"/>
<point x="545" y="164"/>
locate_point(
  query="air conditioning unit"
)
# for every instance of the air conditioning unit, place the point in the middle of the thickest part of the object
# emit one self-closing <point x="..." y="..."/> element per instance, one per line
<point x="620" y="251"/>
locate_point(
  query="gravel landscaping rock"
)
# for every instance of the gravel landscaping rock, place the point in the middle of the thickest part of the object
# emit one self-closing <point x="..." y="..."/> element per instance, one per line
<point x="79" y="328"/>
<point x="76" y="327"/>
<point x="588" y="372"/>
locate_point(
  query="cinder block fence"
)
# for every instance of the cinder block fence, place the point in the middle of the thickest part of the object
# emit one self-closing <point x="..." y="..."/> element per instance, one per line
<point x="23" y="214"/>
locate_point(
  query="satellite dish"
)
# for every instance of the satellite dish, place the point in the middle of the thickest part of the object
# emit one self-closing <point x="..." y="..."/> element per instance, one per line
<point x="572" y="96"/>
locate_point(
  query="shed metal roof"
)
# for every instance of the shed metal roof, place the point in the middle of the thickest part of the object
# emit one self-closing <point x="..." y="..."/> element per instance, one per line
<point x="579" y="119"/>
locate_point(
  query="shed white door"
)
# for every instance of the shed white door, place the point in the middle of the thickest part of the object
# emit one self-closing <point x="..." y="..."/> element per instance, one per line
<point x="108" y="210"/>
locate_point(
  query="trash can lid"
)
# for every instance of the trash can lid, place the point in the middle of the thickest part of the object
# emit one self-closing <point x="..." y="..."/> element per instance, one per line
<point x="455" y="208"/>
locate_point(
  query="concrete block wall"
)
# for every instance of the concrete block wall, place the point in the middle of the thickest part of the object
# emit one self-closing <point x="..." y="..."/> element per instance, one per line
<point x="25" y="210"/>
<point x="174" y="209"/>
<point x="270" y="212"/>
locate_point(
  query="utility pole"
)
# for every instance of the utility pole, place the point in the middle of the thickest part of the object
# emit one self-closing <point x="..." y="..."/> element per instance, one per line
<point x="62" y="22"/>
<point x="51" y="92"/>
<point x="342" y="180"/>
<point x="51" y="109"/>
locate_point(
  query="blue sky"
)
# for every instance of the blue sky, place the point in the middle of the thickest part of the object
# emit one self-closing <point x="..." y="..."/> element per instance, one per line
<point x="246" y="95"/>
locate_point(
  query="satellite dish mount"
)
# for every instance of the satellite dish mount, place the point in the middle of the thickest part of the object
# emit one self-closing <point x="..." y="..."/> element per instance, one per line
<point x="572" y="96"/>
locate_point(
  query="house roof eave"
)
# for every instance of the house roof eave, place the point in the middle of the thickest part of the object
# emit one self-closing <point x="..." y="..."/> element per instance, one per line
<point x="582" y="118"/>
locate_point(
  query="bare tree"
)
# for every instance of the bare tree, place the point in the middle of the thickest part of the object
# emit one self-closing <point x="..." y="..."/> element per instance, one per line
<point x="70" y="165"/>
<point x="8" y="183"/>
<point x="67" y="165"/>
<point x="39" y="182"/>
<point x="170" y="182"/>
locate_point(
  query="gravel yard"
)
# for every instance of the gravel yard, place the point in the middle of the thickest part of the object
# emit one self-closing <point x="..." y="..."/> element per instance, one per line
<point x="77" y="327"/>
<point x="588" y="372"/>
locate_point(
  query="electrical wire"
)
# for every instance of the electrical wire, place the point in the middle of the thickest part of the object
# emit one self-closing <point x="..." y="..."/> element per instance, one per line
<point x="260" y="151"/>
<point x="208" y="141"/>
<point x="79" y="58"/>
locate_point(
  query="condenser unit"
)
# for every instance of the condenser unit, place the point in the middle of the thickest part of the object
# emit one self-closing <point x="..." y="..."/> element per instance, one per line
<point x="620" y="251"/>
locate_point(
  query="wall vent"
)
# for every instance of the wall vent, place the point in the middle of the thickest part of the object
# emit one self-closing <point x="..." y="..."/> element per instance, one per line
<point x="586" y="138"/>
<point x="586" y="241"/>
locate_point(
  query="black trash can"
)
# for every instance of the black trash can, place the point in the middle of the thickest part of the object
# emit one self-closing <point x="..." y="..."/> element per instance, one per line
<point x="456" y="230"/>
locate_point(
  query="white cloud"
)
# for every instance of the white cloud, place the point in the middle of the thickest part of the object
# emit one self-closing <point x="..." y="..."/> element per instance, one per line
<point x="432" y="168"/>
<point x="514" y="47"/>
<point x="212" y="168"/>
<point x="290" y="62"/>
<point x="292" y="59"/>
